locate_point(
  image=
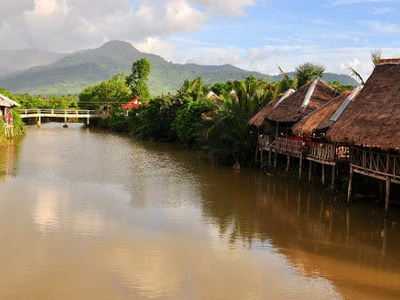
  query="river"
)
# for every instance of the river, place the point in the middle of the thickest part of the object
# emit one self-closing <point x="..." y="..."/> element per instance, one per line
<point x="86" y="214"/>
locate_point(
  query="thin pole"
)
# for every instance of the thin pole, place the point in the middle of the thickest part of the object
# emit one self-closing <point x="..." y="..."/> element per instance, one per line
<point x="323" y="174"/>
<point x="310" y="165"/>
<point x="288" y="163"/>
<point x="333" y="176"/>
<point x="350" y="189"/>
<point x="387" y="196"/>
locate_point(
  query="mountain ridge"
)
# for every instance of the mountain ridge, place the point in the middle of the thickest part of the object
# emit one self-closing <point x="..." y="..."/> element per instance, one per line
<point x="70" y="73"/>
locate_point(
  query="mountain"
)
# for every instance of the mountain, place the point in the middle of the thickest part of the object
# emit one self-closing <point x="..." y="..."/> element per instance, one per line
<point x="18" y="60"/>
<point x="71" y="73"/>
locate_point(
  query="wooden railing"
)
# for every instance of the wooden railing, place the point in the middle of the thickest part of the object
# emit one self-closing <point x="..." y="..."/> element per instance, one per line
<point x="376" y="164"/>
<point x="265" y="142"/>
<point x="288" y="146"/>
<point x="54" y="112"/>
<point x="322" y="152"/>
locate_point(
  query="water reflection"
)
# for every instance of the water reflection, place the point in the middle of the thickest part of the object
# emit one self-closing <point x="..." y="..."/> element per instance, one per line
<point x="98" y="216"/>
<point x="348" y="245"/>
<point x="8" y="161"/>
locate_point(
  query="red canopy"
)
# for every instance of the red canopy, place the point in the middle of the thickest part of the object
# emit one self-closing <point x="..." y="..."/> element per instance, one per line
<point x="134" y="103"/>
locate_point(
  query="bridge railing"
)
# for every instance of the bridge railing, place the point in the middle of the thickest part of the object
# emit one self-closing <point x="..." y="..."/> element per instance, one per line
<point x="46" y="111"/>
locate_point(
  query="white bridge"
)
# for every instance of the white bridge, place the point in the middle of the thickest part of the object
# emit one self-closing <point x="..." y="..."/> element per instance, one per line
<point x="60" y="114"/>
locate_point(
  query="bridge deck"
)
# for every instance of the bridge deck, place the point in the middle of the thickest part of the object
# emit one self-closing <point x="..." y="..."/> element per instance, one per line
<point x="58" y="113"/>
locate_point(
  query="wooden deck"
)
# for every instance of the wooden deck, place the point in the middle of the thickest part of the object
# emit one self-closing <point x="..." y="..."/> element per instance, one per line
<point x="328" y="154"/>
<point x="375" y="164"/>
<point x="288" y="147"/>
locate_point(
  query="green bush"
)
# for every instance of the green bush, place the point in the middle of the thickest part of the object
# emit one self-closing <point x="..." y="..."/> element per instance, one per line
<point x="188" y="118"/>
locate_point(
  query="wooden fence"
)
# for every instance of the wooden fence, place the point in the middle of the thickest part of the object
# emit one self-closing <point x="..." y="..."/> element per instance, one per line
<point x="288" y="146"/>
<point x="375" y="164"/>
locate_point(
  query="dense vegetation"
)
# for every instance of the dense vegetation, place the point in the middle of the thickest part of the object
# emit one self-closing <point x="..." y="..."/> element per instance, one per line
<point x="216" y="124"/>
<point x="69" y="74"/>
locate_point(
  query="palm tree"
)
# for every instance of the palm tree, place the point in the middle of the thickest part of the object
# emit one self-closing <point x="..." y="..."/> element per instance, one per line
<point x="225" y="133"/>
<point x="376" y="56"/>
<point x="307" y="72"/>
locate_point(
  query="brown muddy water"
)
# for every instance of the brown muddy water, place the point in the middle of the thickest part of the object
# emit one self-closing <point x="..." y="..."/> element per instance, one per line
<point x="91" y="215"/>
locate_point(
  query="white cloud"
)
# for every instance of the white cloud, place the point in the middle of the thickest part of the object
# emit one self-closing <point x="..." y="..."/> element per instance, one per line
<point x="382" y="27"/>
<point x="154" y="45"/>
<point x="266" y="59"/>
<point x="226" y="7"/>
<point x="75" y="24"/>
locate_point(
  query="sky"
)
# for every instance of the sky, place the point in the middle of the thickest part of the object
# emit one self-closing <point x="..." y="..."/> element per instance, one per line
<point x="252" y="34"/>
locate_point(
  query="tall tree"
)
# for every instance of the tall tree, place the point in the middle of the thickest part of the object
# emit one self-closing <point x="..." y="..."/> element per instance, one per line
<point x="308" y="71"/>
<point x="138" y="79"/>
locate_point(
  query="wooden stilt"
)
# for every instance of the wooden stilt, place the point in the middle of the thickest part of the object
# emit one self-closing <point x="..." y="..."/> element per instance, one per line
<point x="310" y="165"/>
<point x="261" y="157"/>
<point x="275" y="160"/>
<point x="256" y="156"/>
<point x="333" y="176"/>
<point x="323" y="174"/>
<point x="287" y="163"/>
<point x="387" y="196"/>
<point x="269" y="157"/>
<point x="300" y="165"/>
<point x="350" y="188"/>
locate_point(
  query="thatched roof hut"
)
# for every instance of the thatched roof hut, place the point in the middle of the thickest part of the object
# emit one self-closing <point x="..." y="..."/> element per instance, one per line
<point x="293" y="106"/>
<point x="323" y="118"/>
<point x="7" y="102"/>
<point x="373" y="120"/>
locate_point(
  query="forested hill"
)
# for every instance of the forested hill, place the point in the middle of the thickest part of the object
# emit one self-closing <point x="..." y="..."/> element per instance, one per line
<point x="73" y="72"/>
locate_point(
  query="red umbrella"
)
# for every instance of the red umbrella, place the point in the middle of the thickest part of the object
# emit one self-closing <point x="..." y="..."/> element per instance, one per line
<point x="134" y="103"/>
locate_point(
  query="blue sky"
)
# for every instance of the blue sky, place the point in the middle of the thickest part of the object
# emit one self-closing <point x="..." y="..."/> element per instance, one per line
<point x="252" y="34"/>
<point x="337" y="34"/>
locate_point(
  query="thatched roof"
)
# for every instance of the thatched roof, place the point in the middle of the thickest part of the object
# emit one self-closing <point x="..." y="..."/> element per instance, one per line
<point x="297" y="105"/>
<point x="7" y="102"/>
<point x="373" y="120"/>
<point x="323" y="118"/>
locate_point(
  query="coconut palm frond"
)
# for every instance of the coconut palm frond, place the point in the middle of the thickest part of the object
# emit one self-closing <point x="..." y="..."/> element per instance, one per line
<point x="354" y="73"/>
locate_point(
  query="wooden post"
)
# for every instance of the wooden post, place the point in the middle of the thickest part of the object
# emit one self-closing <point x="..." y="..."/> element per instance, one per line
<point x="310" y="165"/>
<point x="288" y="163"/>
<point x="333" y="176"/>
<point x="275" y="160"/>
<point x="387" y="196"/>
<point x="269" y="157"/>
<point x="300" y="165"/>
<point x="261" y="156"/>
<point x="323" y="174"/>
<point x="350" y="189"/>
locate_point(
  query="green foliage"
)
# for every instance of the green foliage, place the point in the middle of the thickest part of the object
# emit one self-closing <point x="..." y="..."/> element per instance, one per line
<point x="307" y="72"/>
<point x="340" y="87"/>
<point x="188" y="119"/>
<point x="19" y="127"/>
<point x="111" y="91"/>
<point x="153" y="121"/>
<point x="225" y="133"/>
<point x="138" y="79"/>
<point x="116" y="121"/>
<point x="376" y="56"/>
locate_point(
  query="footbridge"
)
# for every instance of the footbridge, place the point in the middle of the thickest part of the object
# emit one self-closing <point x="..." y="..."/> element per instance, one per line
<point x="59" y="114"/>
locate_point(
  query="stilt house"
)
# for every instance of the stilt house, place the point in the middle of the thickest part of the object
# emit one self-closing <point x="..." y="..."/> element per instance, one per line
<point x="6" y="106"/>
<point x="370" y="126"/>
<point x="314" y="127"/>
<point x="276" y="119"/>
